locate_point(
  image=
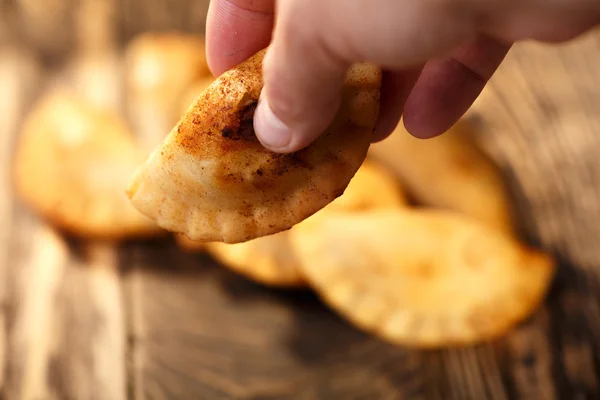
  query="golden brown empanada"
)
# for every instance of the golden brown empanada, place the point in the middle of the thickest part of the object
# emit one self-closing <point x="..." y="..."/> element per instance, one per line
<point x="71" y="165"/>
<point x="425" y="278"/>
<point x="448" y="171"/>
<point x="160" y="66"/>
<point x="269" y="260"/>
<point x="212" y="180"/>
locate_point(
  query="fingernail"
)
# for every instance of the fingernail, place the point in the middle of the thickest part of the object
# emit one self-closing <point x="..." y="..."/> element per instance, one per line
<point x="271" y="132"/>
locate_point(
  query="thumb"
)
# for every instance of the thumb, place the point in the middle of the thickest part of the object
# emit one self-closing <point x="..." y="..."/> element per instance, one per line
<point x="299" y="99"/>
<point x="314" y="43"/>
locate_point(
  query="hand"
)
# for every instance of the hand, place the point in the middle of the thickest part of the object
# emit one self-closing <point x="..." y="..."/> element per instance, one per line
<point x="437" y="55"/>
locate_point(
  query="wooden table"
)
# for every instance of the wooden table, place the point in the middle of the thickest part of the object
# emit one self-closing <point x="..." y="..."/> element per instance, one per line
<point x="147" y="321"/>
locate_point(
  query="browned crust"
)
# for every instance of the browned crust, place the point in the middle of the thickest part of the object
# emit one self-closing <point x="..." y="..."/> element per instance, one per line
<point x="212" y="171"/>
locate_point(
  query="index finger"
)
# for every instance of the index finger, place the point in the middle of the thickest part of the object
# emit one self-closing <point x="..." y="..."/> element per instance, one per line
<point x="235" y="30"/>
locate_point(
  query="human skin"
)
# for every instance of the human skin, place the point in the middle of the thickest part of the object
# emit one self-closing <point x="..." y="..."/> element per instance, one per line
<point x="437" y="55"/>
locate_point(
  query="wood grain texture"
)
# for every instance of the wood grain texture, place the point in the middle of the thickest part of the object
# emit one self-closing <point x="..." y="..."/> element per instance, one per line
<point x="230" y="338"/>
<point x="19" y="74"/>
<point x="91" y="364"/>
<point x="66" y="327"/>
<point x="147" y="321"/>
<point x="32" y="335"/>
<point x="46" y="25"/>
<point x="540" y="115"/>
<point x="537" y="121"/>
<point x="67" y="337"/>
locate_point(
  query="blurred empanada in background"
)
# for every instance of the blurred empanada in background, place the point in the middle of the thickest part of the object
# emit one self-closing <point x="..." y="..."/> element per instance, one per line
<point x="160" y="67"/>
<point x="72" y="163"/>
<point x="212" y="180"/>
<point x="424" y="278"/>
<point x="449" y="171"/>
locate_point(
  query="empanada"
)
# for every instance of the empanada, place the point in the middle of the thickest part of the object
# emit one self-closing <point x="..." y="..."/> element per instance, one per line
<point x="418" y="277"/>
<point x="98" y="78"/>
<point x="271" y="260"/>
<point x="159" y="68"/>
<point x="373" y="186"/>
<point x="212" y="180"/>
<point x="72" y="162"/>
<point x="450" y="172"/>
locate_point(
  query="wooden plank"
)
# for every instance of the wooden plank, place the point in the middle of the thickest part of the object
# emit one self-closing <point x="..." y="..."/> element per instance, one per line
<point x="90" y="363"/>
<point x="163" y="15"/>
<point x="96" y="25"/>
<point x="543" y="103"/>
<point x="67" y="324"/>
<point x="203" y="332"/>
<point x="67" y="332"/>
<point x="39" y="262"/>
<point x="530" y="356"/>
<point x="18" y="79"/>
<point x="540" y="119"/>
<point x="198" y="331"/>
<point x="212" y="334"/>
<point x="46" y="25"/>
